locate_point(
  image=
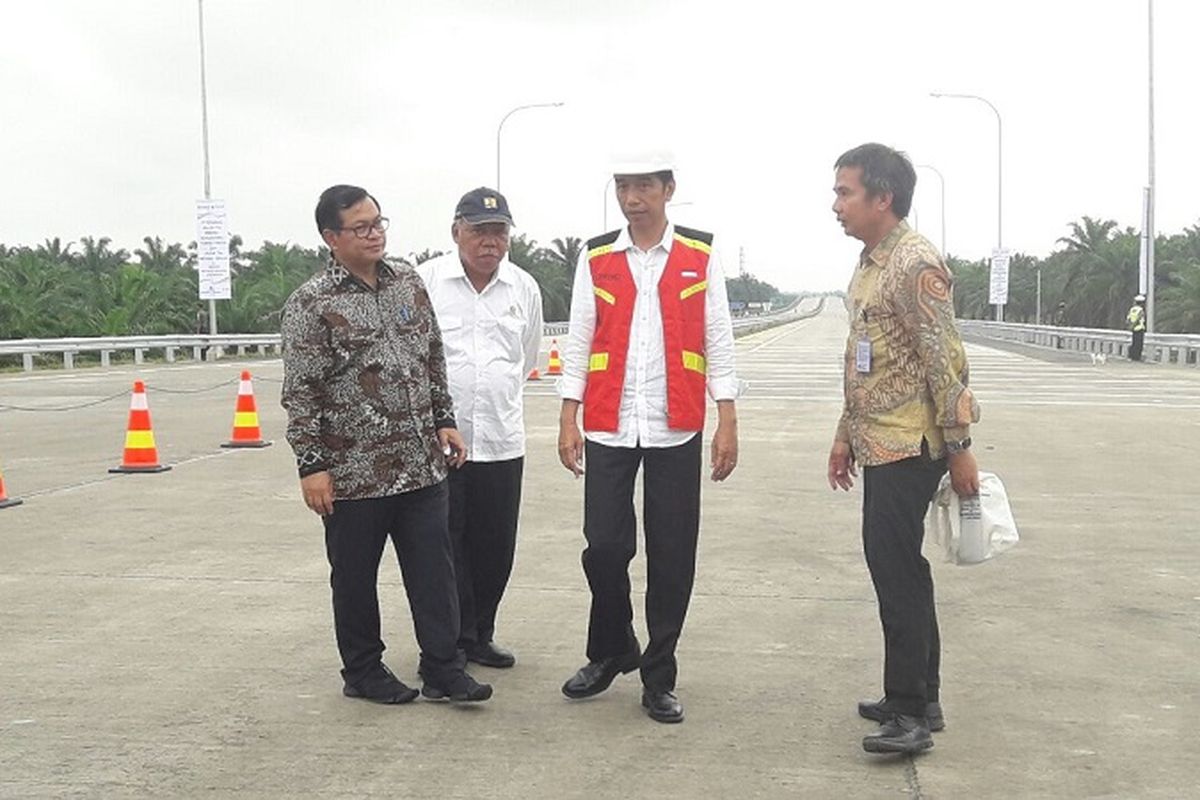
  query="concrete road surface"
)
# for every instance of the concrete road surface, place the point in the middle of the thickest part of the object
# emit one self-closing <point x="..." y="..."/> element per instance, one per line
<point x="169" y="635"/>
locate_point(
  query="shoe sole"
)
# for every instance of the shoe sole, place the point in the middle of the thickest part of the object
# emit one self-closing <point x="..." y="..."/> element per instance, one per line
<point x="935" y="723"/>
<point x="406" y="696"/>
<point x="598" y="688"/>
<point x="877" y="746"/>
<point x="433" y="693"/>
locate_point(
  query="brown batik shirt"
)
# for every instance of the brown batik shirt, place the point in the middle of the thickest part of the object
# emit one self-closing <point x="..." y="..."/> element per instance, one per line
<point x="364" y="382"/>
<point x="915" y="385"/>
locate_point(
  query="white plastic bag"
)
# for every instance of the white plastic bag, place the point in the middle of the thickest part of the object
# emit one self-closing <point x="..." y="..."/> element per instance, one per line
<point x="963" y="539"/>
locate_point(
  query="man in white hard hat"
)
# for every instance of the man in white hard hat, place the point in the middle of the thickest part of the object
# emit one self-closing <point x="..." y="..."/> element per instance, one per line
<point x="1137" y="325"/>
<point x="650" y="335"/>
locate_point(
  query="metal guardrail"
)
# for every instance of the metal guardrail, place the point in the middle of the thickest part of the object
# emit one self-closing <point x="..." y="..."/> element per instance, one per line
<point x="1163" y="348"/>
<point x="208" y="347"/>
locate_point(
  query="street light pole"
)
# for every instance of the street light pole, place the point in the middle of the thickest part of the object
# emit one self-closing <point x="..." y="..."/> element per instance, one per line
<point x="1150" y="199"/>
<point x="942" y="182"/>
<point x="500" y="128"/>
<point x="999" y="172"/>
<point x="212" y="304"/>
<point x="606" y="185"/>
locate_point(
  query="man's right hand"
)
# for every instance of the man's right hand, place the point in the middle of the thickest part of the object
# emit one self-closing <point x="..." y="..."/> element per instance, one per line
<point x="570" y="440"/>
<point x="841" y="466"/>
<point x="318" y="492"/>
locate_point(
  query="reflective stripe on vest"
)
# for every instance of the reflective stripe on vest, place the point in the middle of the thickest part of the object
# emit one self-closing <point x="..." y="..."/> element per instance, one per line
<point x="681" y="292"/>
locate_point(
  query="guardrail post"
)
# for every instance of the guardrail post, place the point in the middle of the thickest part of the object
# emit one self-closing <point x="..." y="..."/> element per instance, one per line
<point x="196" y="353"/>
<point x="139" y="355"/>
<point x="27" y="361"/>
<point x="241" y="350"/>
<point x="105" y="357"/>
<point x="68" y="359"/>
<point x="169" y="352"/>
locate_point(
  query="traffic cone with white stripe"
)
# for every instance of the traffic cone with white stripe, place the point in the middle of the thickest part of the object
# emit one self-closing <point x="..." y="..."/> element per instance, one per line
<point x="5" y="500"/>
<point x="140" y="453"/>
<point x="246" y="432"/>
<point x="555" y="365"/>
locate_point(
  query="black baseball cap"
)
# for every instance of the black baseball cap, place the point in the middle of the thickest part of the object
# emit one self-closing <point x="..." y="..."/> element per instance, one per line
<point x="483" y="205"/>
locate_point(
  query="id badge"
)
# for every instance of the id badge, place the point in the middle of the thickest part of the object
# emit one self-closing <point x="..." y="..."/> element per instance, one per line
<point x="862" y="356"/>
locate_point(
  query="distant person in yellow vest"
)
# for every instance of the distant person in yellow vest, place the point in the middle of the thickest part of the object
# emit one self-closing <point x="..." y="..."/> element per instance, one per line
<point x="650" y="336"/>
<point x="1137" y="323"/>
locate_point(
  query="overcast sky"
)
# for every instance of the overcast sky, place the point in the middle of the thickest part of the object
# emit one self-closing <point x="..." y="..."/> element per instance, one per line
<point x="101" y="116"/>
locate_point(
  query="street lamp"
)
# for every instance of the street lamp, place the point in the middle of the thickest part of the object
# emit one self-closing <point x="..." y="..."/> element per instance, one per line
<point x="500" y="128"/>
<point x="942" y="182"/>
<point x="212" y="304"/>
<point x="999" y="172"/>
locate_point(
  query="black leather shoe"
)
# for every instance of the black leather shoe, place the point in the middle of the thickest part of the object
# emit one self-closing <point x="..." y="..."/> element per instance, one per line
<point x="462" y="689"/>
<point x="596" y="676"/>
<point x="381" y="686"/>
<point x="662" y="706"/>
<point x="490" y="654"/>
<point x="900" y="734"/>
<point x="876" y="710"/>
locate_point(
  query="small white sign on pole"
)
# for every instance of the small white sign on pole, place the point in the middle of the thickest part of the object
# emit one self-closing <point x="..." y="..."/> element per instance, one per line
<point x="212" y="250"/>
<point x="998" y="278"/>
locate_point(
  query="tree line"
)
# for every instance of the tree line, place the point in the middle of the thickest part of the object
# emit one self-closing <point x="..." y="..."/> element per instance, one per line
<point x="1094" y="275"/>
<point x="90" y="288"/>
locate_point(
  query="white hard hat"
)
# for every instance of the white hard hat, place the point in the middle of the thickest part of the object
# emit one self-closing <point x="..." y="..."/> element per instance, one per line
<point x="643" y="162"/>
<point x="1141" y="298"/>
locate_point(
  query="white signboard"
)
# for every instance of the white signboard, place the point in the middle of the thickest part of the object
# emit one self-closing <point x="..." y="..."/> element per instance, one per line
<point x="998" y="279"/>
<point x="212" y="250"/>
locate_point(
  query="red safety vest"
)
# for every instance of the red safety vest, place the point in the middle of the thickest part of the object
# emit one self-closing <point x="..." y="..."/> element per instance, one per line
<point x="681" y="296"/>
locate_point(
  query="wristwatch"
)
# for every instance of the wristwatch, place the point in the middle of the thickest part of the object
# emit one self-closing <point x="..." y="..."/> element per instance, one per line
<point x="953" y="447"/>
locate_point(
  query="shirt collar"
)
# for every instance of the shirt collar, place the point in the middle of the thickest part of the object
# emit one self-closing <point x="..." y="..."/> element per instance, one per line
<point x="883" y="251"/>
<point x="625" y="241"/>
<point x="340" y="274"/>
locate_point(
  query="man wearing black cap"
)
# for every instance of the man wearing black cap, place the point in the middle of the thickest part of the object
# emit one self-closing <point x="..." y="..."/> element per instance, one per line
<point x="490" y="314"/>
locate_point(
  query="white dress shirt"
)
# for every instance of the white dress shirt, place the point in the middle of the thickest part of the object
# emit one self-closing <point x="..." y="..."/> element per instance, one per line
<point x="491" y="339"/>
<point x="642" y="420"/>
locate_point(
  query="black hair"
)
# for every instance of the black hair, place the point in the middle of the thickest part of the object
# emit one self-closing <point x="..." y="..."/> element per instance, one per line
<point x="334" y="201"/>
<point x="883" y="170"/>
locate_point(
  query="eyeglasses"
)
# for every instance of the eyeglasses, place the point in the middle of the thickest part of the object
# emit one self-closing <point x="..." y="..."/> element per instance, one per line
<point x="363" y="229"/>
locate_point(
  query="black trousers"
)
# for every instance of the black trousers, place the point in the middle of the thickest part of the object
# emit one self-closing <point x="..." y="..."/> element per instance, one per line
<point x="1135" y="347"/>
<point x="485" y="500"/>
<point x="671" y="490"/>
<point x="895" y="499"/>
<point x="355" y="535"/>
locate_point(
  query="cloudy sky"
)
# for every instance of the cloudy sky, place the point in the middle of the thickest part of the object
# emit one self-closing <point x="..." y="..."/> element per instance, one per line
<point x="101" y="115"/>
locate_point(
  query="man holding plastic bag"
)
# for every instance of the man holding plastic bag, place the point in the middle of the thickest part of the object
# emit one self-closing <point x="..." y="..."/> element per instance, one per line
<point x="905" y="420"/>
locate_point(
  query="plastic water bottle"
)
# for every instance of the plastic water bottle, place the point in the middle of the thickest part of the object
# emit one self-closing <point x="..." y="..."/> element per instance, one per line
<point x="972" y="546"/>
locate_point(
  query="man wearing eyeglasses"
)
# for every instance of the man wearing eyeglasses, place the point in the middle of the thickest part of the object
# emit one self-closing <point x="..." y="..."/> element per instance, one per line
<point x="372" y="425"/>
<point x="490" y="314"/>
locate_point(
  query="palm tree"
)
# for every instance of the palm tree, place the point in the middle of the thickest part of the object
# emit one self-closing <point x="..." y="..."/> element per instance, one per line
<point x="1101" y="272"/>
<point x="566" y="251"/>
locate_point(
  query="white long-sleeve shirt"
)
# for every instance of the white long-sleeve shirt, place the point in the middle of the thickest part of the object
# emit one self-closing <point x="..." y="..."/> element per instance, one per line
<point x="642" y="419"/>
<point x="491" y="339"/>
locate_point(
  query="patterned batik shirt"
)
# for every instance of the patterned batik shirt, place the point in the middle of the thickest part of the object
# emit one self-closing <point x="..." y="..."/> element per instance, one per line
<point x="364" y="382"/>
<point x="915" y="385"/>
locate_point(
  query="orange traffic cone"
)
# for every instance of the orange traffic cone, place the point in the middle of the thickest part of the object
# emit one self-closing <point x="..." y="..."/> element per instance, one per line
<point x="5" y="500"/>
<point x="535" y="375"/>
<point x="140" y="453"/>
<point x="555" y="366"/>
<point x="246" y="432"/>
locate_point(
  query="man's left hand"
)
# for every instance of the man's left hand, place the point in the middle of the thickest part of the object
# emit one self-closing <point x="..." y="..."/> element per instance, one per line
<point x="453" y="446"/>
<point x="964" y="473"/>
<point x="724" y="451"/>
